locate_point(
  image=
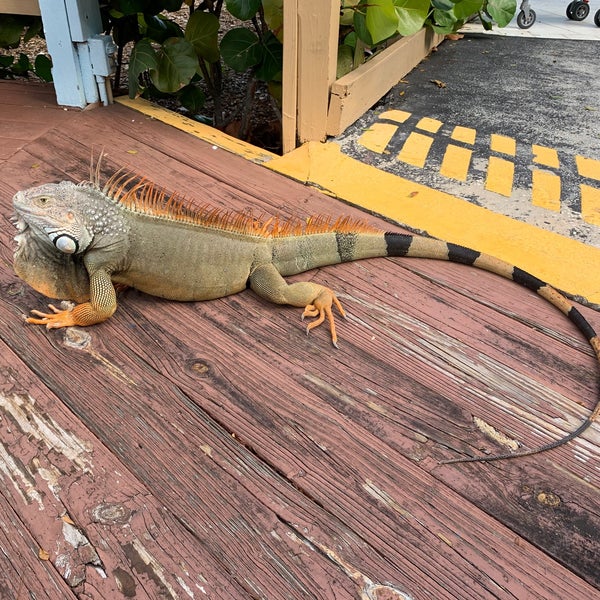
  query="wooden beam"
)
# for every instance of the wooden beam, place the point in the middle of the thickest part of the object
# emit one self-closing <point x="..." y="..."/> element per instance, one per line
<point x="357" y="91"/>
<point x="19" y="7"/>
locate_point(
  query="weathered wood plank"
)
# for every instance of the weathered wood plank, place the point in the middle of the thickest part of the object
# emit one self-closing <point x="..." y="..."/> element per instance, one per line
<point x="332" y="453"/>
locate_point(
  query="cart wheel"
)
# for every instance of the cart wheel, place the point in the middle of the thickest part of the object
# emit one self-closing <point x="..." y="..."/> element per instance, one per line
<point x="597" y="18"/>
<point x="569" y="9"/>
<point x="523" y="22"/>
<point x="579" y="10"/>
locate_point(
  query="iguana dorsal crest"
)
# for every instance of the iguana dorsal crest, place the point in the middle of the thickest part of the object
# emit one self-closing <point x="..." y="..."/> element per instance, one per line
<point x="141" y="195"/>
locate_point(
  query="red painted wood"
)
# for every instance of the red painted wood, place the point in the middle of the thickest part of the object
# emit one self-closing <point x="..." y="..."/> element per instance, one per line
<point x="248" y="459"/>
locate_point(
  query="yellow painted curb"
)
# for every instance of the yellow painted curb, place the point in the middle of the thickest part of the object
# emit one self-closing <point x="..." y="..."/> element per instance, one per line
<point x="564" y="263"/>
<point x="205" y="132"/>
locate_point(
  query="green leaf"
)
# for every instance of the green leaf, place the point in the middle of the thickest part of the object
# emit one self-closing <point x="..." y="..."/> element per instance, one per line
<point x="444" y="19"/>
<point x="241" y="49"/>
<point x="201" y="31"/>
<point x="176" y="65"/>
<point x="34" y="28"/>
<point x="382" y="20"/>
<point x="43" y="67"/>
<point x="360" y="26"/>
<point x="466" y="8"/>
<point x="411" y="15"/>
<point x="159" y="28"/>
<point x="271" y="62"/>
<point x="442" y="4"/>
<point x="347" y="13"/>
<point x="502" y="11"/>
<point x="129" y="7"/>
<point x="11" y="28"/>
<point x="351" y="39"/>
<point x="273" y="10"/>
<point x="22" y="66"/>
<point x="143" y="58"/>
<point x="345" y="60"/>
<point x="243" y="9"/>
<point x="6" y="61"/>
<point x="192" y="98"/>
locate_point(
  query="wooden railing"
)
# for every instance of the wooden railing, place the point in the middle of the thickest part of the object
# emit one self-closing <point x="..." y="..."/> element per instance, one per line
<point x="315" y="105"/>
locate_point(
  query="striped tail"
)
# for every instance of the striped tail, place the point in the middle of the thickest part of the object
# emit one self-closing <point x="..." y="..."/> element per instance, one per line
<point x="421" y="247"/>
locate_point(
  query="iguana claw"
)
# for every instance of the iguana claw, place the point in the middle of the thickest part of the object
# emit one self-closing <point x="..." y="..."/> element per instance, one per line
<point x="54" y="320"/>
<point x="321" y="308"/>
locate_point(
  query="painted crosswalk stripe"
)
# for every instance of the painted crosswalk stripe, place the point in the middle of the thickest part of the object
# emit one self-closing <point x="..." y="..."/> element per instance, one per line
<point x="377" y="136"/>
<point x="399" y="116"/>
<point x="545" y="190"/>
<point x="429" y="124"/>
<point x="542" y="155"/>
<point x="415" y="149"/>
<point x="588" y="167"/>
<point x="500" y="174"/>
<point x="503" y="144"/>
<point x="456" y="162"/>
<point x="590" y="204"/>
<point x="466" y="135"/>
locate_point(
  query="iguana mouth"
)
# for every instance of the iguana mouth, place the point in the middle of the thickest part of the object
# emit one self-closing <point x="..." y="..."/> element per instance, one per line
<point x="22" y="227"/>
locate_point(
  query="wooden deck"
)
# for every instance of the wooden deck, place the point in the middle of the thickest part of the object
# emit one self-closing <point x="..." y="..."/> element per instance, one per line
<point x="213" y="450"/>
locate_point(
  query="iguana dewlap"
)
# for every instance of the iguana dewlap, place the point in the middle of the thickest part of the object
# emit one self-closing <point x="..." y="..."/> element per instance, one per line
<point x="77" y="241"/>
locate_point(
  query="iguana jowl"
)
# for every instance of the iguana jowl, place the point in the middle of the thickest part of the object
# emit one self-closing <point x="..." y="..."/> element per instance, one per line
<point x="76" y="241"/>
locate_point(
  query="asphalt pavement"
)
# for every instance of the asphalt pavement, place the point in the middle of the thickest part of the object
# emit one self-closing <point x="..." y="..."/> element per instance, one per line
<point x="509" y="121"/>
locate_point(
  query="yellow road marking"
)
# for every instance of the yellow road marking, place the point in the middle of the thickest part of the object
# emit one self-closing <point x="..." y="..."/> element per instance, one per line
<point x="377" y="136"/>
<point x="456" y="162"/>
<point x="400" y="116"/>
<point x="415" y="149"/>
<point x="464" y="134"/>
<point x="429" y="124"/>
<point x="588" y="167"/>
<point x="543" y="253"/>
<point x="545" y="191"/>
<point x="548" y="157"/>
<point x="503" y="144"/>
<point x="590" y="204"/>
<point x="500" y="175"/>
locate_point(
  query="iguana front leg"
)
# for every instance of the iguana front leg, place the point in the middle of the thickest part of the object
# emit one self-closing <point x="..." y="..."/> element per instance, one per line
<point x="102" y="304"/>
<point x="316" y="299"/>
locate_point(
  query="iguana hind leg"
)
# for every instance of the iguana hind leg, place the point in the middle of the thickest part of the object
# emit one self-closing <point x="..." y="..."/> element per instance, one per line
<point x="317" y="300"/>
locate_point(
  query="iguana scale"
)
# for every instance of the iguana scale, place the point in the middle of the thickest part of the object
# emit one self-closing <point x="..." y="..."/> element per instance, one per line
<point x="77" y="241"/>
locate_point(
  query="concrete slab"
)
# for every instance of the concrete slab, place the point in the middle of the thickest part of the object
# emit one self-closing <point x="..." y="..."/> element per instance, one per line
<point x="551" y="23"/>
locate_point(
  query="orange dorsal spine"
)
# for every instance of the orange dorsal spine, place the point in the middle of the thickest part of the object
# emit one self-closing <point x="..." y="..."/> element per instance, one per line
<point x="139" y="194"/>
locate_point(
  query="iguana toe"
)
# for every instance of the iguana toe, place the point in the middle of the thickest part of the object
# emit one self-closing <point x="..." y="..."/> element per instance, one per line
<point x="54" y="320"/>
<point x="321" y="308"/>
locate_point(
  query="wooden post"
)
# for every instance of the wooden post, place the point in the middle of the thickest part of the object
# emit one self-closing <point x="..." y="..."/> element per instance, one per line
<point x="317" y="41"/>
<point x="289" y="92"/>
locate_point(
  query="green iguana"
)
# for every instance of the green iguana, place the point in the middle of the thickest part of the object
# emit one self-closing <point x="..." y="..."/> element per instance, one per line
<point x="77" y="241"/>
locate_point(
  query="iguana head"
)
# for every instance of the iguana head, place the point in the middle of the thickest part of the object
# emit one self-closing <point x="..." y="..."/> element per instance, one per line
<point x="53" y="212"/>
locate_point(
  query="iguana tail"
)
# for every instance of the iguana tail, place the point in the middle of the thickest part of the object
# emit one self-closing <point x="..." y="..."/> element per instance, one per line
<point x="421" y="247"/>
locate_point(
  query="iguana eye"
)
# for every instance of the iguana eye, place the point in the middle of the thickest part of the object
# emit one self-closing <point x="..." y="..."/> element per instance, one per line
<point x="42" y="200"/>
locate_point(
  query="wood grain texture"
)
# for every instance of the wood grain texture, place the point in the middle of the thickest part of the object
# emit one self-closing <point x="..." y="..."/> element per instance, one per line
<point x="222" y="452"/>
